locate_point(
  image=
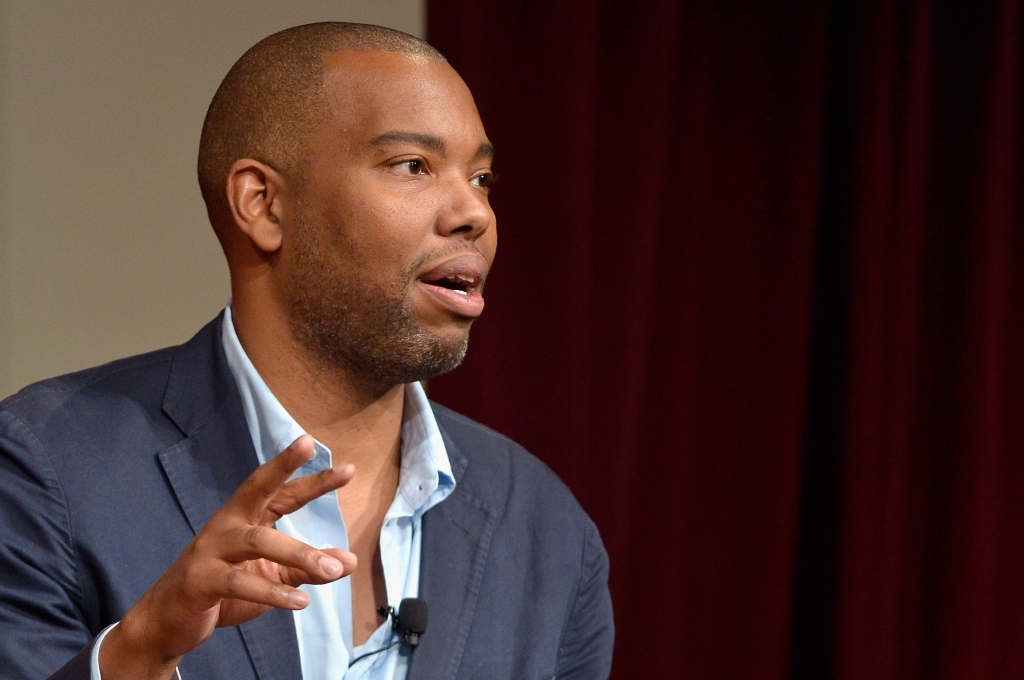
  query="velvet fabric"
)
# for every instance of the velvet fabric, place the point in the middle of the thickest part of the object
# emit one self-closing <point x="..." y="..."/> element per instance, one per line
<point x="759" y="301"/>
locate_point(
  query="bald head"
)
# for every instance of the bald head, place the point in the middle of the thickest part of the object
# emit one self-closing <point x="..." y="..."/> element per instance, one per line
<point x="274" y="96"/>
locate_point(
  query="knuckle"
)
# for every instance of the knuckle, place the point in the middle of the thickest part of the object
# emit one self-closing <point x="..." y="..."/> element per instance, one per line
<point x="282" y="500"/>
<point x="234" y="581"/>
<point x="276" y="591"/>
<point x="254" y="537"/>
<point x="303" y="555"/>
<point x="192" y="572"/>
<point x="249" y="486"/>
<point x="252" y="486"/>
<point x="200" y="544"/>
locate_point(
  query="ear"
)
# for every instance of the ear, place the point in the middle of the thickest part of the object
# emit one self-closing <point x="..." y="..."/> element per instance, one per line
<point x="255" y="195"/>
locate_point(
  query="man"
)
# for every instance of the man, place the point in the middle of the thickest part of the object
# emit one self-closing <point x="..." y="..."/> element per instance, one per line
<point x="198" y="509"/>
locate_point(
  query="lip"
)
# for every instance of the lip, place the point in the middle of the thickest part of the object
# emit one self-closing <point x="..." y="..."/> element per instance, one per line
<point x="467" y="267"/>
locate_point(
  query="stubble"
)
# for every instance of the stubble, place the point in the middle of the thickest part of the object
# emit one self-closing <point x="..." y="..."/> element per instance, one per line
<point x="363" y="328"/>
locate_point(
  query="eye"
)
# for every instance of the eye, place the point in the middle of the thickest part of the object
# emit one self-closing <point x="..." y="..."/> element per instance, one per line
<point x="410" y="167"/>
<point x="413" y="167"/>
<point x="484" y="180"/>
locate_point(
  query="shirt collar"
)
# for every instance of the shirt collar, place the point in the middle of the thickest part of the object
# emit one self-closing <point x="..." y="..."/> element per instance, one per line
<point x="425" y="477"/>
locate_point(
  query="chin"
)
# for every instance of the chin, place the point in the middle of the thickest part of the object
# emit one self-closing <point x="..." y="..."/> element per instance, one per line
<point x="450" y="334"/>
<point x="429" y="360"/>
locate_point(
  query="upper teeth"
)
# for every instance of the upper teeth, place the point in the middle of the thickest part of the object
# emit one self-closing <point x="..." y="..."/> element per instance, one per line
<point x="461" y="277"/>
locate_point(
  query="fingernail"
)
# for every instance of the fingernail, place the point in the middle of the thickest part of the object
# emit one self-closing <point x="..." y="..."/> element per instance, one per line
<point x="298" y="598"/>
<point x="330" y="566"/>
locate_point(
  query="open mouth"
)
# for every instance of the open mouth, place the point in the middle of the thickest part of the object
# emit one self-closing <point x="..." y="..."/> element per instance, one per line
<point x="458" y="283"/>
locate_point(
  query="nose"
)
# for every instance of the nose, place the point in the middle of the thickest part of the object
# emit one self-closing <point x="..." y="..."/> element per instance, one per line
<point x="465" y="211"/>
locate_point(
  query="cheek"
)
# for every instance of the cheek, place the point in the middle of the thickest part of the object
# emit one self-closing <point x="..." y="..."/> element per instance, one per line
<point x="385" y="237"/>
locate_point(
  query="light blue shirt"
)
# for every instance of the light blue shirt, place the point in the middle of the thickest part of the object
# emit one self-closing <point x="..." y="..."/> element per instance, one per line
<point x="324" y="627"/>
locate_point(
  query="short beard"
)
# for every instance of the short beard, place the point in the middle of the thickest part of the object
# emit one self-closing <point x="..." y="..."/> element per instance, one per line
<point x="364" y="330"/>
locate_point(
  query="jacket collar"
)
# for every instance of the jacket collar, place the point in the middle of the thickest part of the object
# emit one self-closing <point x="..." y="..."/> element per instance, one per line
<point x="200" y="382"/>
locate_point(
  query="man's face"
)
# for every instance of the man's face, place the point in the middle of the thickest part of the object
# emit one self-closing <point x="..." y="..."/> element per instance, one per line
<point x="392" y="233"/>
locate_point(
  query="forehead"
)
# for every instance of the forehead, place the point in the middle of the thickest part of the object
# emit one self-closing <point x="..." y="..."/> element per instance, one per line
<point x="372" y="92"/>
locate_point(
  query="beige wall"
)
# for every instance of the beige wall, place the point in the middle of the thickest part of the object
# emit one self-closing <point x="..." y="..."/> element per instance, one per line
<point x="105" y="250"/>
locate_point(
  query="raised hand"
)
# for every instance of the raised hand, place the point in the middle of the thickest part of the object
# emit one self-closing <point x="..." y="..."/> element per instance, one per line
<point x="235" y="569"/>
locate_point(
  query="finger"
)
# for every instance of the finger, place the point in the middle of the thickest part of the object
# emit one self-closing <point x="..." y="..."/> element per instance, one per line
<point x="345" y="557"/>
<point x="298" y="577"/>
<point x="295" y="494"/>
<point x="240" y="584"/>
<point x="261" y="542"/>
<point x="256" y="492"/>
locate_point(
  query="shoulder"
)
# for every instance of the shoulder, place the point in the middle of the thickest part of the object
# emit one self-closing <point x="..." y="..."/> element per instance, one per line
<point x="543" y="587"/>
<point x="498" y="471"/>
<point x="138" y="378"/>
<point x="97" y="402"/>
<point x="108" y="397"/>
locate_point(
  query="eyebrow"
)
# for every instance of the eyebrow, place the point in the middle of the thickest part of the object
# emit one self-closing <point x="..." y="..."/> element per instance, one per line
<point x="432" y="142"/>
<point x="486" y="150"/>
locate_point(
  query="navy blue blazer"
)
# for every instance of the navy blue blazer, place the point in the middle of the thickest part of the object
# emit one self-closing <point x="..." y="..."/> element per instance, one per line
<point x="106" y="475"/>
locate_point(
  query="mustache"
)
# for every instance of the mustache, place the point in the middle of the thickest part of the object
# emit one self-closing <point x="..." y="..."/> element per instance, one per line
<point x="454" y="248"/>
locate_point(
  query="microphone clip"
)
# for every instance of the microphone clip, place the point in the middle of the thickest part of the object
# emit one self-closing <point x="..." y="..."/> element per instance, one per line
<point x="410" y="622"/>
<point x="411" y="638"/>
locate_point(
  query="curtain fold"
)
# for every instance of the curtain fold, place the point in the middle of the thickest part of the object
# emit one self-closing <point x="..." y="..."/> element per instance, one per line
<point x="758" y="302"/>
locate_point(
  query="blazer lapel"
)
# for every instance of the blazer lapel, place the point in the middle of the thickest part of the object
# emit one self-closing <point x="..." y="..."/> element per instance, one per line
<point x="206" y="468"/>
<point x="456" y="540"/>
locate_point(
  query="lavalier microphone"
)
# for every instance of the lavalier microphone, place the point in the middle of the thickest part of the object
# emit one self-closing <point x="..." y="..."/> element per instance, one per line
<point x="410" y="622"/>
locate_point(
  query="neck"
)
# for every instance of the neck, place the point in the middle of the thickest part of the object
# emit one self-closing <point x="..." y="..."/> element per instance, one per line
<point x="358" y="423"/>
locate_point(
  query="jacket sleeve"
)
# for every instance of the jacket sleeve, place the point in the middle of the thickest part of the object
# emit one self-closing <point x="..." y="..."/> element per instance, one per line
<point x="585" y="652"/>
<point x="40" y="599"/>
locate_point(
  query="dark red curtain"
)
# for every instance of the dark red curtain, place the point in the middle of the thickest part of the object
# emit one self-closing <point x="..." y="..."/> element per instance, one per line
<point x="759" y="302"/>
